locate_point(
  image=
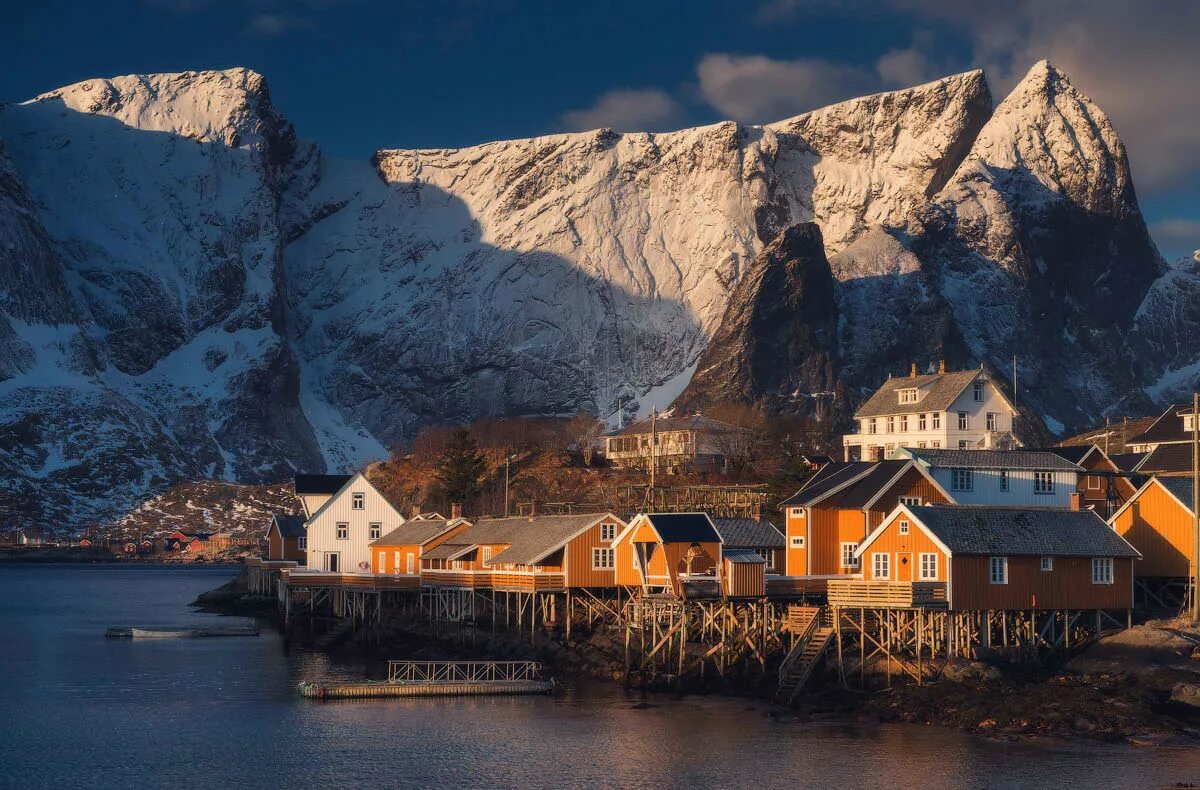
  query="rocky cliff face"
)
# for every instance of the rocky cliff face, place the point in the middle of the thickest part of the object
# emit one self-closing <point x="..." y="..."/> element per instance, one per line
<point x="192" y="291"/>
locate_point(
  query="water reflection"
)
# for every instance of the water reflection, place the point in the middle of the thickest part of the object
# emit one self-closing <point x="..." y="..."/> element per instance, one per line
<point x="82" y="711"/>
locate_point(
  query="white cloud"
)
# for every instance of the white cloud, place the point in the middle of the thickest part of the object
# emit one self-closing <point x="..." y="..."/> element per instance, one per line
<point x="904" y="68"/>
<point x="758" y="89"/>
<point x="627" y="110"/>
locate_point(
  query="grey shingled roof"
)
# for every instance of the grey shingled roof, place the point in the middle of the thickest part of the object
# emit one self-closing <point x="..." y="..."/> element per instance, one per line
<point x="1128" y="462"/>
<point x="1180" y="488"/>
<point x="1167" y="428"/>
<point x="320" y="484"/>
<point x="691" y="422"/>
<point x="415" y="532"/>
<point x="684" y="527"/>
<point x="743" y="556"/>
<point x="1006" y="531"/>
<point x="831" y="476"/>
<point x="291" y="526"/>
<point x="1168" y="458"/>
<point x="1038" y="460"/>
<point x="748" y="533"/>
<point x="939" y="391"/>
<point x="528" y="538"/>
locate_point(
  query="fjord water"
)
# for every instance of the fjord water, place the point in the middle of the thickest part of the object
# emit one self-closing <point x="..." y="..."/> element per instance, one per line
<point x="77" y="710"/>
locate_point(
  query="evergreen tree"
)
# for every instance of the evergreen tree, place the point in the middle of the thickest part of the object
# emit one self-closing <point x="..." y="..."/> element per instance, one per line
<point x="461" y="469"/>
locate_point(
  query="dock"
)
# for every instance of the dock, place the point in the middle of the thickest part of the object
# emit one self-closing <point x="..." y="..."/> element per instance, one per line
<point x="441" y="679"/>
<point x="178" y="632"/>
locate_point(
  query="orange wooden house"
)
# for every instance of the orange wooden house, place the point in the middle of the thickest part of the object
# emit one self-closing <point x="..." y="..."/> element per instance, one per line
<point x="399" y="552"/>
<point x="549" y="553"/>
<point x="1104" y="486"/>
<point x="840" y="505"/>
<point x="1158" y="520"/>
<point x="680" y="553"/>
<point x="1003" y="558"/>
<point x="287" y="539"/>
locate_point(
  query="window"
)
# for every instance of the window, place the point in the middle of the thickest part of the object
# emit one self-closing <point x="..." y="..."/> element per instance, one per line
<point x="1047" y="563"/>
<point x="920" y="422"/>
<point x="1102" y="570"/>
<point x="934" y="445"/>
<point x="978" y="391"/>
<point x="358" y="501"/>
<point x="796" y="512"/>
<point x="991" y="420"/>
<point x="411" y="563"/>
<point x="903" y="527"/>
<point x="848" y="558"/>
<point x="608" y="532"/>
<point x="879" y="565"/>
<point x="302" y="543"/>
<point x="1003" y="479"/>
<point x="963" y="444"/>
<point x="910" y="500"/>
<point x="936" y="420"/>
<point x="963" y="423"/>
<point x="1043" y="482"/>
<point x="891" y="424"/>
<point x="999" y="570"/>
<point x="797" y="541"/>
<point x="373" y="531"/>
<point x="871" y="425"/>
<point x="929" y="565"/>
<point x="1093" y="483"/>
<point x="904" y="423"/>
<point x="485" y="555"/>
<point x="962" y="480"/>
<point x="920" y="445"/>
<point x="602" y="559"/>
<point x="908" y="396"/>
<point x="456" y="565"/>
<point x="343" y="531"/>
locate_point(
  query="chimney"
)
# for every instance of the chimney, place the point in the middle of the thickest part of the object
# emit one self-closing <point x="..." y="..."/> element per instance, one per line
<point x="912" y="374"/>
<point x="416" y="510"/>
<point x="941" y="366"/>
<point x="1075" y="498"/>
<point x="456" y="510"/>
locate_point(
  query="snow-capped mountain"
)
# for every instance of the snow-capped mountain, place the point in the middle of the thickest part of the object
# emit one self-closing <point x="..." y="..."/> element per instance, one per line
<point x="192" y="291"/>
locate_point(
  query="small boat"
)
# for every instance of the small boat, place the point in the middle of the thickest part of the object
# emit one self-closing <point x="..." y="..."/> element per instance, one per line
<point x="178" y="632"/>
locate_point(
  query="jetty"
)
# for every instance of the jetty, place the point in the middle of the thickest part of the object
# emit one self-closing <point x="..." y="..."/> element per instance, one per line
<point x="441" y="679"/>
<point x="178" y="632"/>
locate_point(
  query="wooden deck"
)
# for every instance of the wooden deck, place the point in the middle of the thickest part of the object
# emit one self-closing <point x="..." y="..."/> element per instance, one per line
<point x="796" y="586"/>
<point x="351" y="581"/>
<point x="887" y="594"/>
<point x="508" y="581"/>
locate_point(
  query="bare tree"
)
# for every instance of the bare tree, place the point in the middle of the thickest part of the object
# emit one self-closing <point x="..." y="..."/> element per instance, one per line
<point x="583" y="432"/>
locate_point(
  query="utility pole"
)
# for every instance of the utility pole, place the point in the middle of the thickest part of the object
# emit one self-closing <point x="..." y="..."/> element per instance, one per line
<point x="507" y="458"/>
<point x="1196" y="504"/>
<point x="653" y="442"/>
<point x="1014" y="390"/>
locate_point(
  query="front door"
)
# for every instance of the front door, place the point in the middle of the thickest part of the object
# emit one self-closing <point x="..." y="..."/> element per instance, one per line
<point x="331" y="562"/>
<point x="904" y="566"/>
<point x="412" y="562"/>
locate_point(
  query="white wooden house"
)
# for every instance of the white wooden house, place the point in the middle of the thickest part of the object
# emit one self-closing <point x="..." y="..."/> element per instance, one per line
<point x="1001" y="477"/>
<point x="955" y="410"/>
<point x="341" y="530"/>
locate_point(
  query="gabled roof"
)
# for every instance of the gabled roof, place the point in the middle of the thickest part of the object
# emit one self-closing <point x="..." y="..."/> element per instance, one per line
<point x="1167" y="459"/>
<point x="1075" y="454"/>
<point x="528" y="539"/>
<point x="860" y="486"/>
<point x="290" y="526"/>
<point x="1018" y="531"/>
<point x="1036" y="460"/>
<point x="938" y="393"/>
<point x="1167" y="428"/>
<point x="743" y="556"/>
<point x="1128" y="462"/>
<point x="691" y="422"/>
<point x="417" y="532"/>
<point x="320" y="484"/>
<point x="828" y="479"/>
<point x="748" y="533"/>
<point x="334" y="497"/>
<point x="683" y="527"/>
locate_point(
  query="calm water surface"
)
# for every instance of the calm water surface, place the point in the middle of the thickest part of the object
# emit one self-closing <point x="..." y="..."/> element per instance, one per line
<point x="77" y="710"/>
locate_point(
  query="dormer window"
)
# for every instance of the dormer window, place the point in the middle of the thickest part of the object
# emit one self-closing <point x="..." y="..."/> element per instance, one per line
<point x="978" y="388"/>
<point x="908" y="396"/>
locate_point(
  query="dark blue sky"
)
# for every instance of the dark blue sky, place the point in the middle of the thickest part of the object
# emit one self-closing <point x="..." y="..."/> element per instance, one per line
<point x="356" y="75"/>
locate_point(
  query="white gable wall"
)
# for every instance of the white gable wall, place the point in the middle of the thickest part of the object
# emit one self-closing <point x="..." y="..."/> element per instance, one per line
<point x="977" y="412"/>
<point x="353" y="550"/>
<point x="985" y="488"/>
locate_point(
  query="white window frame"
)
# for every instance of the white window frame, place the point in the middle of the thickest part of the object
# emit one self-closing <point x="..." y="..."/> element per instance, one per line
<point x="977" y="392"/>
<point x="358" y="501"/>
<point x="991" y="421"/>
<point x="1043" y="483"/>
<point x="929" y="566"/>
<point x="1004" y="480"/>
<point x="904" y="423"/>
<point x="797" y="542"/>
<point x="962" y="479"/>
<point x="881" y="565"/>
<point x="998" y="570"/>
<point x="964" y="421"/>
<point x="796" y="512"/>
<point x="935" y="419"/>
<point x="1102" y="570"/>
<point x="410" y="564"/>
<point x="891" y="424"/>
<point x="342" y="531"/>
<point x="374" y="530"/>
<point x="903" y="526"/>
<point x="485" y="555"/>
<point x="848" y="560"/>
<point x="603" y="558"/>
<point x="934" y="445"/>
<point x="921" y="422"/>
<point x="871" y="426"/>
<point x="908" y="396"/>
<point x="608" y="532"/>
<point x="1093" y="482"/>
<point x="910" y="500"/>
<point x="1047" y="564"/>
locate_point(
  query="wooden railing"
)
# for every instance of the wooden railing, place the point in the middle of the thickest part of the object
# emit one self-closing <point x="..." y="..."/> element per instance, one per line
<point x="525" y="581"/>
<point x="422" y="672"/>
<point x="887" y="594"/>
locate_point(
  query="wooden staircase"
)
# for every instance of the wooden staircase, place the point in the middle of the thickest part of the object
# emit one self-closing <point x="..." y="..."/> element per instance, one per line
<point x="814" y="627"/>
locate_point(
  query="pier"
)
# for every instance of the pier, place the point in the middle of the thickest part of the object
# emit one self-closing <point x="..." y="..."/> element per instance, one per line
<point x="442" y="679"/>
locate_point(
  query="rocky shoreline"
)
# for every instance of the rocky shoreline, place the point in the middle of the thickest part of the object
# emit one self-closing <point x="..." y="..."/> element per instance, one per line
<point x="1141" y="686"/>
